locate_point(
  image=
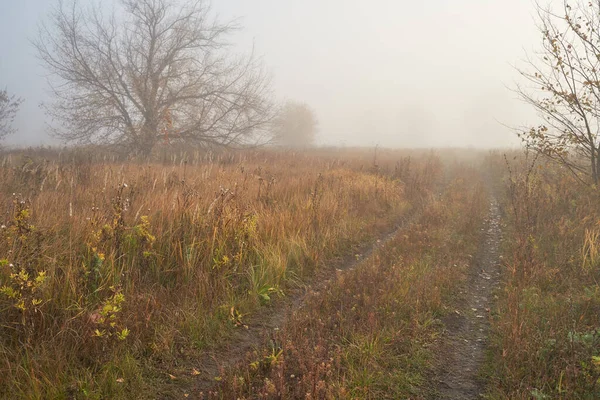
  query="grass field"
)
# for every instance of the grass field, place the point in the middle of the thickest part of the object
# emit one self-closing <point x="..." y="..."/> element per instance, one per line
<point x="323" y="274"/>
<point x="546" y="336"/>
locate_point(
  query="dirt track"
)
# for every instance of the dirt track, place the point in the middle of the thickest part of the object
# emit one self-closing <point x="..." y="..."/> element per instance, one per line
<point x="271" y="318"/>
<point x="463" y="345"/>
<point x="467" y="328"/>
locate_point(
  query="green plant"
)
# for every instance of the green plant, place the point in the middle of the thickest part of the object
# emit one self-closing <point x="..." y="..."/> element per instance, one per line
<point x="106" y="317"/>
<point x="24" y="292"/>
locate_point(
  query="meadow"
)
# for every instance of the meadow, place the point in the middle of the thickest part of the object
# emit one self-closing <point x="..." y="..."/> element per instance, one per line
<point x="111" y="269"/>
<point x="324" y="274"/>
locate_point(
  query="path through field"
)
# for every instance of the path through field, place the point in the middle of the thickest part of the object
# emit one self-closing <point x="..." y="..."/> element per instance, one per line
<point x="463" y="345"/>
<point x="272" y="318"/>
<point x="467" y="328"/>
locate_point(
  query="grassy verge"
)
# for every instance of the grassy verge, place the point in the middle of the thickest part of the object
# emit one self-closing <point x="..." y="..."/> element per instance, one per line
<point x="546" y="332"/>
<point x="369" y="333"/>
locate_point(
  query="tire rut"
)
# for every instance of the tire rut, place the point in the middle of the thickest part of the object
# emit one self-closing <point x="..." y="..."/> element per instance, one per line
<point x="466" y="338"/>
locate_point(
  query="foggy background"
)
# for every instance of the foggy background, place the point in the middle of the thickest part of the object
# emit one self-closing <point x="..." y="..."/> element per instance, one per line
<point x="392" y="73"/>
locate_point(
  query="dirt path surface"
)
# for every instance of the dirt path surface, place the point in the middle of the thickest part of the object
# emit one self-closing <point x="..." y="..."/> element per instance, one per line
<point x="467" y="328"/>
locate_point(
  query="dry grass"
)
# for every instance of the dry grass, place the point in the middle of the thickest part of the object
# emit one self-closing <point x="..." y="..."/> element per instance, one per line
<point x="369" y="333"/>
<point x="546" y="331"/>
<point x="111" y="271"/>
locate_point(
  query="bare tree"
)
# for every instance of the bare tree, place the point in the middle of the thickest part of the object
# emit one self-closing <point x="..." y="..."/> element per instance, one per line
<point x="9" y="105"/>
<point x="295" y="125"/>
<point x="150" y="70"/>
<point x="566" y="88"/>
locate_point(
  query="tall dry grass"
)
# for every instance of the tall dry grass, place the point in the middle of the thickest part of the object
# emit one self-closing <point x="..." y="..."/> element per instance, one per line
<point x="112" y="270"/>
<point x="371" y="333"/>
<point x="546" y="329"/>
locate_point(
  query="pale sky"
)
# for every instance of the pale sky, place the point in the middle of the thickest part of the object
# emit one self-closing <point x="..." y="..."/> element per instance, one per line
<point x="393" y="73"/>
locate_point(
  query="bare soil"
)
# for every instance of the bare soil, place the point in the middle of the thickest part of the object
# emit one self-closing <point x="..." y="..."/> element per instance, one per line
<point x="464" y="343"/>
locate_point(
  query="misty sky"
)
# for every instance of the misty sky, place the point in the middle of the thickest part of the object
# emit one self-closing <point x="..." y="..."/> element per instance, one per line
<point x="393" y="73"/>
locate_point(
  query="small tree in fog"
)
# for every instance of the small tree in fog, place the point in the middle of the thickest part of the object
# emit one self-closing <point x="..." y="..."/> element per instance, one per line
<point x="566" y="88"/>
<point x="9" y="105"/>
<point x="151" y="70"/>
<point x="295" y="126"/>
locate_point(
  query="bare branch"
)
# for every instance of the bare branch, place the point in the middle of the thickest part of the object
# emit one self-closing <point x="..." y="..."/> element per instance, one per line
<point x="9" y="105"/>
<point x="565" y="88"/>
<point x="150" y="72"/>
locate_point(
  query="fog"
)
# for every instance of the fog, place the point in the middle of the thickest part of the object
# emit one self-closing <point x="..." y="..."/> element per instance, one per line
<point x="392" y="73"/>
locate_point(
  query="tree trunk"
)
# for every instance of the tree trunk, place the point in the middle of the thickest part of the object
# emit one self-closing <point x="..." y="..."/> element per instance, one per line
<point x="148" y="139"/>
